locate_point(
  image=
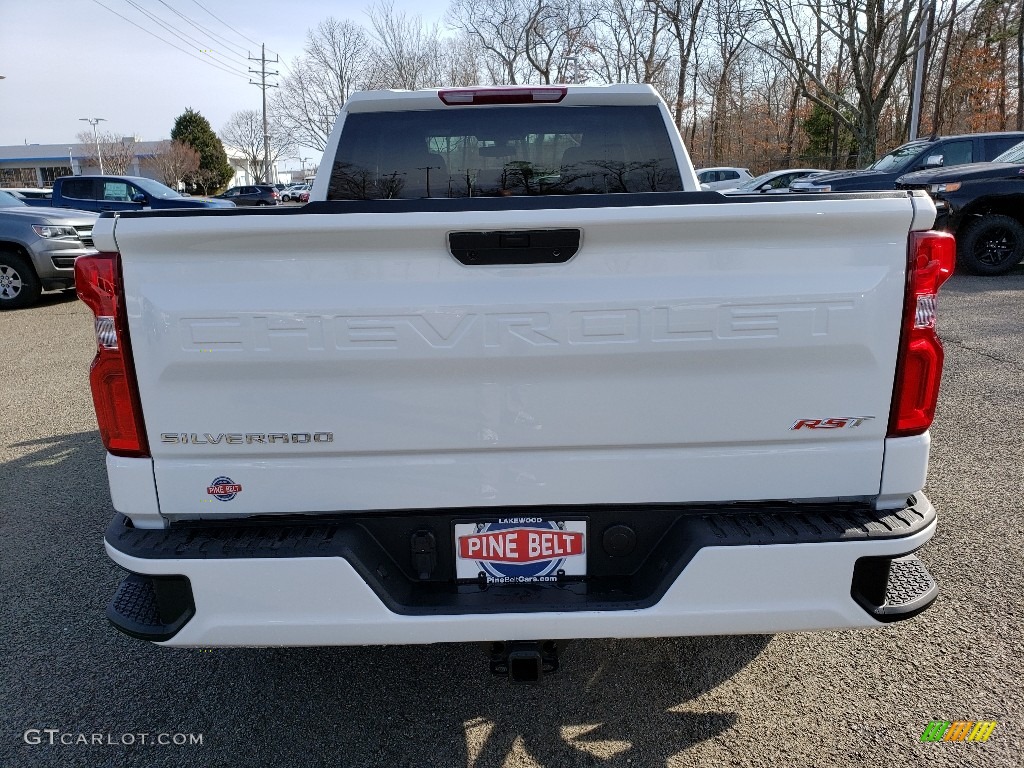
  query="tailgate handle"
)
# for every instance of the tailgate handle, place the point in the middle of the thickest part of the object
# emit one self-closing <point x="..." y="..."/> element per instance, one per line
<point x="530" y="246"/>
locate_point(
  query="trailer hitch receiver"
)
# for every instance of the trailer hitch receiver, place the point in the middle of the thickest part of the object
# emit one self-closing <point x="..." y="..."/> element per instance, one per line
<point x="524" y="661"/>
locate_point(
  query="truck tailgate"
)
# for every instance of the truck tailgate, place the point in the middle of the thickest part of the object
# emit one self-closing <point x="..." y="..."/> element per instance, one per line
<point x="316" y="362"/>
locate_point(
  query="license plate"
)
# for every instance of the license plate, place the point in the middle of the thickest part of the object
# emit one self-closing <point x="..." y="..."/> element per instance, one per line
<point x="521" y="550"/>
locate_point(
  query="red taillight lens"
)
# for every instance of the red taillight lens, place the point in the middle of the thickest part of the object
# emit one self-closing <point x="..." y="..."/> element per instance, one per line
<point x="930" y="262"/>
<point x="503" y="95"/>
<point x="115" y="392"/>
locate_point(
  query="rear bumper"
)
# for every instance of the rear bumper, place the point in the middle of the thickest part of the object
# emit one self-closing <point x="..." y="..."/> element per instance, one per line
<point x="729" y="572"/>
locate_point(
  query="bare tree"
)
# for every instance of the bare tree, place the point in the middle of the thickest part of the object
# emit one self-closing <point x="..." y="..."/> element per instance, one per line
<point x="461" y="61"/>
<point x="943" y="62"/>
<point x="558" y="35"/>
<point x="1020" y="67"/>
<point x="244" y="132"/>
<point x="407" y="54"/>
<point x="334" y="63"/>
<point x="974" y="89"/>
<point x="174" y="162"/>
<point x="729" y="25"/>
<point x="631" y="41"/>
<point x="206" y="180"/>
<point x="877" y="38"/>
<point x="500" y="28"/>
<point x="834" y="77"/>
<point x="686" y="23"/>
<point x="118" y="152"/>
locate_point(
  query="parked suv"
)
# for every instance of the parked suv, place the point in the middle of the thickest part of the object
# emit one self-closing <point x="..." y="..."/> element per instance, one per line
<point x="722" y="178"/>
<point x="916" y="155"/>
<point x="254" y="194"/>
<point x="294" y="192"/>
<point x="983" y="205"/>
<point x="122" y="193"/>
<point x="38" y="249"/>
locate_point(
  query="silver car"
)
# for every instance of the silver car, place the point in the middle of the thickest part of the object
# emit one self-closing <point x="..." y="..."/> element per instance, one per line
<point x="38" y="248"/>
<point x="773" y="182"/>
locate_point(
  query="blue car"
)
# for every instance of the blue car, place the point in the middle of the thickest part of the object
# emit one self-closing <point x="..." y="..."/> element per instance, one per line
<point x="122" y="193"/>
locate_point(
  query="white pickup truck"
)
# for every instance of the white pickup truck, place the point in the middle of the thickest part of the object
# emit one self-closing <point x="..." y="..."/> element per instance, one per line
<point x="512" y="377"/>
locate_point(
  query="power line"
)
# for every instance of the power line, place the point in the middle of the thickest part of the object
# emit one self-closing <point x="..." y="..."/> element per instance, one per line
<point x="205" y="60"/>
<point x="244" y="37"/>
<point x="239" y="51"/>
<point x="185" y="38"/>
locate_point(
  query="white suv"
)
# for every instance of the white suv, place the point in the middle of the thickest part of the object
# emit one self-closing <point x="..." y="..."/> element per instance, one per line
<point x="722" y="178"/>
<point x="292" y="192"/>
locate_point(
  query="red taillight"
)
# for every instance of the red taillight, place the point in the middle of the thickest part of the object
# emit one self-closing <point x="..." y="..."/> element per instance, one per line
<point x="503" y="95"/>
<point x="930" y="262"/>
<point x="115" y="392"/>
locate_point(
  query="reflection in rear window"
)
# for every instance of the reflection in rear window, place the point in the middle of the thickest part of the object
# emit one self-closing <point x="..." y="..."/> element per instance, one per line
<point x="502" y="151"/>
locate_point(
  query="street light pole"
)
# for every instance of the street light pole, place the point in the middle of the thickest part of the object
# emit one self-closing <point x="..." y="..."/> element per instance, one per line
<point x="94" y="121"/>
<point x="303" y="161"/>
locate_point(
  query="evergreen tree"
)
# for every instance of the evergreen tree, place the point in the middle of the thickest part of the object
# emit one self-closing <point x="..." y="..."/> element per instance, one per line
<point x="193" y="129"/>
<point x="822" y="134"/>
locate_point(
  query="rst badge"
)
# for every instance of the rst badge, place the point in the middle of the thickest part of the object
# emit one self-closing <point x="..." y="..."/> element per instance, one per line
<point x="841" y="422"/>
<point x="521" y="550"/>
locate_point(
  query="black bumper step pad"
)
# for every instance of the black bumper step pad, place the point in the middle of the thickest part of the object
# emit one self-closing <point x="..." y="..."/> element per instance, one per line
<point x="151" y="607"/>
<point x="893" y="589"/>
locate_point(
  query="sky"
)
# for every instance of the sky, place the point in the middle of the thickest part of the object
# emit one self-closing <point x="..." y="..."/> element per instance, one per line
<point x="63" y="60"/>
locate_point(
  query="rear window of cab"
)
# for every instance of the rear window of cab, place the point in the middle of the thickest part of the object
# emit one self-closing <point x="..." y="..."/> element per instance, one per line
<point x="503" y="151"/>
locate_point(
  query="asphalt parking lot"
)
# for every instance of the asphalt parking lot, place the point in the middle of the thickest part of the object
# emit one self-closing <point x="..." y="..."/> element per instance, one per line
<point x="824" y="699"/>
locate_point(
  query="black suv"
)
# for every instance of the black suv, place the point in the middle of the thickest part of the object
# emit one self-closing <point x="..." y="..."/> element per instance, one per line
<point x="916" y="155"/>
<point x="255" y="194"/>
<point x="983" y="205"/>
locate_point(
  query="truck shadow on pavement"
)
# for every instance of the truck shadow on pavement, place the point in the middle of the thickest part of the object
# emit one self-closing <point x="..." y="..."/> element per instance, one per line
<point x="613" y="703"/>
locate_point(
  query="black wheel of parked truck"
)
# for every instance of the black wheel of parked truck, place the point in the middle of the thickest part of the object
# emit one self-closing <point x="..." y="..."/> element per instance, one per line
<point x="991" y="245"/>
<point x="19" y="285"/>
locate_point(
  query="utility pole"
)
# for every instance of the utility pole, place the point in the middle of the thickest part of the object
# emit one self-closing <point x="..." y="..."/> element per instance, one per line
<point x="428" y="169"/>
<point x="263" y="85"/>
<point x="94" y="121"/>
<point x="915" y="97"/>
